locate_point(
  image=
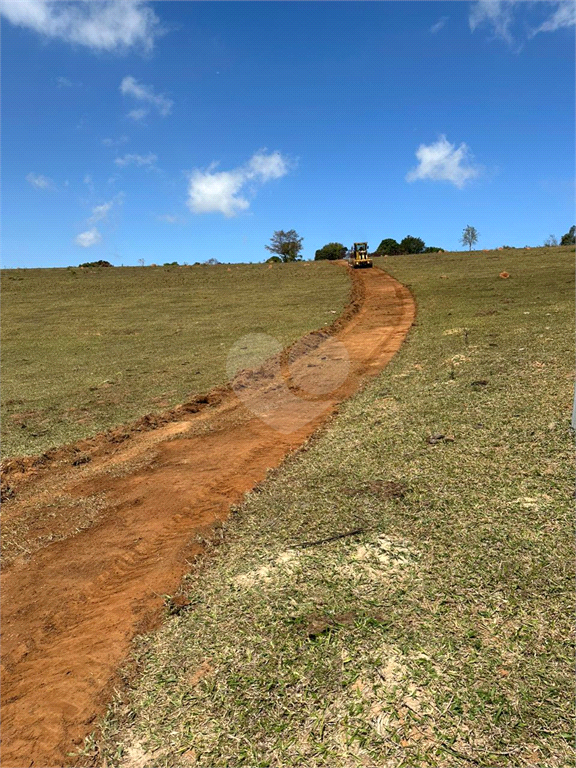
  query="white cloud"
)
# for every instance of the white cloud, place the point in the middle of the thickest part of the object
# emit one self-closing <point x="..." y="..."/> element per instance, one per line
<point x="500" y="15"/>
<point x="100" y="212"/>
<point x="442" y="161"/>
<point x="439" y="24"/>
<point x="89" y="238"/>
<point x="222" y="191"/>
<point x="496" y="13"/>
<point x="131" y="87"/>
<point x="266" y="167"/>
<point x="148" y="160"/>
<point x="168" y="218"/>
<point x="115" y="142"/>
<point x="63" y="82"/>
<point x="216" y="192"/>
<point x="137" y="114"/>
<point x="110" y="25"/>
<point x="39" y="181"/>
<point x="563" y="16"/>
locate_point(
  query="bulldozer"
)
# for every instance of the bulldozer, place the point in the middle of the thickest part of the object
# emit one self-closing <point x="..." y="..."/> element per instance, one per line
<point x="359" y="256"/>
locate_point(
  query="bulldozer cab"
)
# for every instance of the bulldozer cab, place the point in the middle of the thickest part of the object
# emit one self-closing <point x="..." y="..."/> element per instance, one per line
<point x="360" y="255"/>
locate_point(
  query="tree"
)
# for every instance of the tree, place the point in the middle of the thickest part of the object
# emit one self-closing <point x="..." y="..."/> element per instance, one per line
<point x="432" y="249"/>
<point x="287" y="245"/>
<point x="331" y="251"/>
<point x="100" y="263"/>
<point x="570" y="237"/>
<point x="274" y="260"/>
<point x="550" y="241"/>
<point x="388" y="247"/>
<point x="469" y="236"/>
<point x="141" y="262"/>
<point x="411" y="245"/>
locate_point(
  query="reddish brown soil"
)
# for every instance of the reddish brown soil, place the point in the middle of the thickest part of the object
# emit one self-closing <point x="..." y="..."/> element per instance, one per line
<point x="93" y="545"/>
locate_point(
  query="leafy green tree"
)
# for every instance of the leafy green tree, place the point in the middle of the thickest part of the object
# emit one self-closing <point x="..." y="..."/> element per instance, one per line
<point x="287" y="245"/>
<point x="570" y="237"/>
<point x="412" y="245"/>
<point x="388" y="247"/>
<point x="100" y="263"/>
<point x="432" y="249"/>
<point x="469" y="236"/>
<point x="331" y="251"/>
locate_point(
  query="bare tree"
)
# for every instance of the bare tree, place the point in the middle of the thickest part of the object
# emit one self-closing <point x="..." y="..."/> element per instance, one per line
<point x="551" y="241"/>
<point x="469" y="236"/>
<point x="141" y="262"/>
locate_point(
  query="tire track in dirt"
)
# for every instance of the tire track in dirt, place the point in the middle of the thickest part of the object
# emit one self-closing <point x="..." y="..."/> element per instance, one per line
<point x="70" y="607"/>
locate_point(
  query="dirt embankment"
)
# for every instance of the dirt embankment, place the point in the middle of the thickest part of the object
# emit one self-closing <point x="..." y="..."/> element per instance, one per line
<point x="97" y="533"/>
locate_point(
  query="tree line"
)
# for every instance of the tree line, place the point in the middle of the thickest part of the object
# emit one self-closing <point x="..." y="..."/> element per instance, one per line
<point x="286" y="246"/>
<point x="387" y="247"/>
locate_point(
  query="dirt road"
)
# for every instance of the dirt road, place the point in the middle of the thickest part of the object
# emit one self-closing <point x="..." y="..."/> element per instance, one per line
<point x="93" y="544"/>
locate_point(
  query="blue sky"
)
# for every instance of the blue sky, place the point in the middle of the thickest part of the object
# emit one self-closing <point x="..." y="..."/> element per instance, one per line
<point x="180" y="131"/>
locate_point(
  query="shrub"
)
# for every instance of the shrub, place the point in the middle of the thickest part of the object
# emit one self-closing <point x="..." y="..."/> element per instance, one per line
<point x="331" y="251"/>
<point x="388" y="247"/>
<point x="100" y="263"/>
<point x="412" y="245"/>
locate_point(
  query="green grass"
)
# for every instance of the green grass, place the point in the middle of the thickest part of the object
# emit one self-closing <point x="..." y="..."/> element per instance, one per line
<point x="441" y="634"/>
<point x="85" y="350"/>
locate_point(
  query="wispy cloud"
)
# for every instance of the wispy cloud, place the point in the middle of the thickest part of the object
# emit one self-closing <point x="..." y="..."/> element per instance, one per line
<point x="89" y="238"/>
<point x="137" y="114"/>
<point x="109" y="25"/>
<point x="115" y="142"/>
<point x="439" y="24"/>
<point x="131" y="87"/>
<point x="63" y="82"/>
<point x="223" y="192"/>
<point x="168" y="218"/>
<point x="89" y="183"/>
<point x="563" y="16"/>
<point x="100" y="212"/>
<point x="148" y="160"/>
<point x="443" y="161"/>
<point x="500" y="15"/>
<point x="39" y="181"/>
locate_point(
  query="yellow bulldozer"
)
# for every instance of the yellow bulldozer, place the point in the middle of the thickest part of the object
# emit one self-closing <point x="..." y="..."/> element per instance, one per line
<point x="359" y="256"/>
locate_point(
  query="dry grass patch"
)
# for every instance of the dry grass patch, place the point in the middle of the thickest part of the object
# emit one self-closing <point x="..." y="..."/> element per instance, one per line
<point x="440" y="632"/>
<point x="86" y="349"/>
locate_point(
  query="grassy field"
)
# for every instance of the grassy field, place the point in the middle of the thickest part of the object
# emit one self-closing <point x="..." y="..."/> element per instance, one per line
<point x="86" y="349"/>
<point x="440" y="634"/>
